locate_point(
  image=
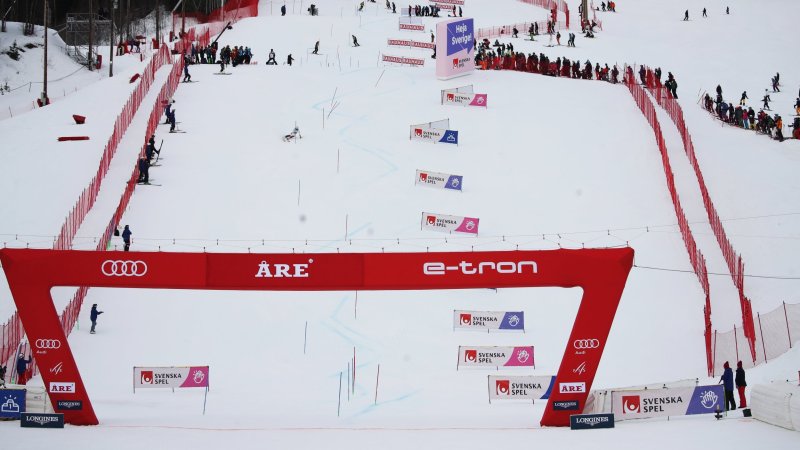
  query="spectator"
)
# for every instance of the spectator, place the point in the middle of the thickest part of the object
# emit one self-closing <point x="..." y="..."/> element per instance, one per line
<point x="2" y="376"/>
<point x="22" y="369"/>
<point x="727" y="383"/>
<point x="741" y="384"/>
<point x="94" y="313"/>
<point x="126" y="237"/>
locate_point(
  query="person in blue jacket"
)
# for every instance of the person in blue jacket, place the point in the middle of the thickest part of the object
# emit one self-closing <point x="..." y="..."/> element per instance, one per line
<point x="22" y="368"/>
<point x="126" y="237"/>
<point x="93" y="317"/>
<point x="727" y="383"/>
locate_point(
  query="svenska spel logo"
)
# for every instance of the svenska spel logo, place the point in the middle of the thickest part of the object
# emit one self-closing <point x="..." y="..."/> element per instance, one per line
<point x="423" y="177"/>
<point x="631" y="404"/>
<point x="146" y="377"/>
<point x="431" y="220"/>
<point x="418" y="132"/>
<point x="466" y="319"/>
<point x="502" y="387"/>
<point x="451" y="97"/>
<point x="470" y="355"/>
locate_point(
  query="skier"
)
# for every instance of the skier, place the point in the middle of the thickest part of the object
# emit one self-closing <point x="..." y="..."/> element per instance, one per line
<point x="394" y="8"/>
<point x="222" y="65"/>
<point x="741" y="383"/>
<point x="151" y="148"/>
<point x="460" y="12"/>
<point x="775" y="83"/>
<point x="271" y="60"/>
<point x="144" y="175"/>
<point x="168" y="111"/>
<point x="766" y="100"/>
<point x="126" y="237"/>
<point x="432" y="37"/>
<point x="172" y="122"/>
<point x="558" y="38"/>
<point x="355" y="41"/>
<point x="289" y="59"/>
<point x="283" y="10"/>
<point x="686" y="15"/>
<point x="778" y="128"/>
<point x="744" y="97"/>
<point x="727" y="382"/>
<point x="93" y="316"/>
<point x="727" y="10"/>
<point x="295" y="134"/>
<point x="22" y="368"/>
<point x="704" y="13"/>
<point x="186" y="77"/>
<point x="316" y="48"/>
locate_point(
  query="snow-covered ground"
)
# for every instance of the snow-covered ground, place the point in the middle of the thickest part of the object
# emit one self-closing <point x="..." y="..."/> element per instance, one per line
<point x="551" y="163"/>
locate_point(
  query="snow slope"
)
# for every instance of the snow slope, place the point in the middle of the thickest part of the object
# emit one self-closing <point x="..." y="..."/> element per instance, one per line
<point x="551" y="163"/>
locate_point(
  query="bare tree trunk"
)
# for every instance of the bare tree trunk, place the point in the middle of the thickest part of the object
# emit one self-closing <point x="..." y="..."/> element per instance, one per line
<point x="91" y="35"/>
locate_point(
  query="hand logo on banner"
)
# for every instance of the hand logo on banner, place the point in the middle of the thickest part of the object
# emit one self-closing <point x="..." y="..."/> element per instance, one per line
<point x="709" y="399"/>
<point x="631" y="404"/>
<point x="199" y="376"/>
<point x="466" y="319"/>
<point x="523" y="356"/>
<point x="470" y="355"/>
<point x="502" y="387"/>
<point x="470" y="225"/>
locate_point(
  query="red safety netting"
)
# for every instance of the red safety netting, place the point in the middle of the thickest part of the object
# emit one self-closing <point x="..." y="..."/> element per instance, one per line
<point x="559" y="5"/>
<point x="732" y="258"/>
<point x="231" y="12"/>
<point x="507" y="30"/>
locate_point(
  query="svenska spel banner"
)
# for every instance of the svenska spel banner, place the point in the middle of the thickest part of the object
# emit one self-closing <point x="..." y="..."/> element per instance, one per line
<point x="427" y="133"/>
<point x="451" y="97"/>
<point x="170" y="377"/>
<point x="520" y="387"/>
<point x="443" y="222"/>
<point x="667" y="402"/>
<point x="495" y="356"/>
<point x="489" y="320"/>
<point x="455" y="45"/>
<point x="439" y="180"/>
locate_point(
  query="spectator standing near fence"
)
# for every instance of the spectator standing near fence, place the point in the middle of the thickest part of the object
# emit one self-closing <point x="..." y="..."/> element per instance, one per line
<point x="2" y="376"/>
<point x="727" y="383"/>
<point x="22" y="369"/>
<point x="126" y="237"/>
<point x="94" y="313"/>
<point x="741" y="383"/>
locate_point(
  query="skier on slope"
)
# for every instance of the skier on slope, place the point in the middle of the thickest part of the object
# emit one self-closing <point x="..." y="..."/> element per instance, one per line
<point x="686" y="15"/>
<point x="744" y="97"/>
<point x="151" y="149"/>
<point x="271" y="59"/>
<point x="186" y="77"/>
<point x="766" y="100"/>
<point x="294" y="135"/>
<point x="289" y="59"/>
<point x="144" y="175"/>
<point x="355" y="41"/>
<point x="168" y="111"/>
<point x="316" y="48"/>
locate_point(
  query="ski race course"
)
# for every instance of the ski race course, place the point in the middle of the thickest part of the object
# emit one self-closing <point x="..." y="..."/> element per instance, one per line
<point x="551" y="163"/>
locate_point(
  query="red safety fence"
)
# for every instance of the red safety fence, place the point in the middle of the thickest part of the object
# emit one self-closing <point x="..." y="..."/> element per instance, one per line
<point x="87" y="198"/>
<point x="560" y="6"/>
<point x="696" y="257"/>
<point x="732" y="258"/>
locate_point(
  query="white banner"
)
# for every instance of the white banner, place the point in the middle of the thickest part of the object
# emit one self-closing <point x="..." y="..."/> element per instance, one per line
<point x="667" y="402"/>
<point x="453" y="97"/>
<point x="523" y="387"/>
<point x="442" y="222"/>
<point x="410" y="43"/>
<point x="439" y="180"/>
<point x="403" y="60"/>
<point x="495" y="356"/>
<point x="489" y="320"/>
<point x="170" y="377"/>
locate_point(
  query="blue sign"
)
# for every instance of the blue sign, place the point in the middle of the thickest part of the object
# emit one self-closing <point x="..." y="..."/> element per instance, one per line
<point x="706" y="399"/>
<point x="460" y="36"/>
<point x="12" y="403"/>
<point x="455" y="182"/>
<point x="591" y="421"/>
<point x="450" y="137"/>
<point x="566" y="405"/>
<point x="513" y="320"/>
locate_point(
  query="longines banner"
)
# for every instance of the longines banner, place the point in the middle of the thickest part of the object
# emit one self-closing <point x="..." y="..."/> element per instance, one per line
<point x="489" y="320"/>
<point x="410" y="43"/>
<point x="667" y="402"/>
<point x="439" y="180"/>
<point x="523" y="387"/>
<point x="495" y="356"/>
<point x="442" y="222"/>
<point x="170" y="377"/>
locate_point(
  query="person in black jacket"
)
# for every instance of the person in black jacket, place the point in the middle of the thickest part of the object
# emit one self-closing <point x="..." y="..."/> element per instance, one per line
<point x="22" y="368"/>
<point x="741" y="384"/>
<point x="93" y="316"/>
<point x="144" y="171"/>
<point x="2" y="376"/>
<point x="126" y="237"/>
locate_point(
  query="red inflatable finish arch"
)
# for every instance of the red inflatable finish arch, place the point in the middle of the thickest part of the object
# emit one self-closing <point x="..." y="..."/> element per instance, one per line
<point x="601" y="273"/>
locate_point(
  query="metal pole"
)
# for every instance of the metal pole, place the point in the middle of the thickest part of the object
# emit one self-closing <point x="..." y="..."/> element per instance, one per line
<point x="761" y="331"/>
<point x="339" y="405"/>
<point x="111" y="42"/>
<point x="788" y="331"/>
<point x="305" y="338"/>
<point x="91" y="34"/>
<point x="44" y="93"/>
<point x="377" y="380"/>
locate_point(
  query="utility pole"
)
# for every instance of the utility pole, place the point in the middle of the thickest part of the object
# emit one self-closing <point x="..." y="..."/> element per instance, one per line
<point x="44" y="93"/>
<point x="91" y="34"/>
<point x="111" y="45"/>
<point x="158" y="23"/>
<point x="128" y="19"/>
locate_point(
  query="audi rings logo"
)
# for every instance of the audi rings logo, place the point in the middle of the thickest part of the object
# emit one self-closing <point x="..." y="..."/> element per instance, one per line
<point x="120" y="268"/>
<point x="586" y="344"/>
<point x="48" y="344"/>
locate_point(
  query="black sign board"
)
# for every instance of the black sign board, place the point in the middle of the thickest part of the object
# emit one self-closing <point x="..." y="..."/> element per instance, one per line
<point x="36" y="420"/>
<point x="566" y="405"/>
<point x="69" y="405"/>
<point x="591" y="421"/>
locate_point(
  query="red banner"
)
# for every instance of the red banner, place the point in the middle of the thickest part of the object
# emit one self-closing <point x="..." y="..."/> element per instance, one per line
<point x="601" y="273"/>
